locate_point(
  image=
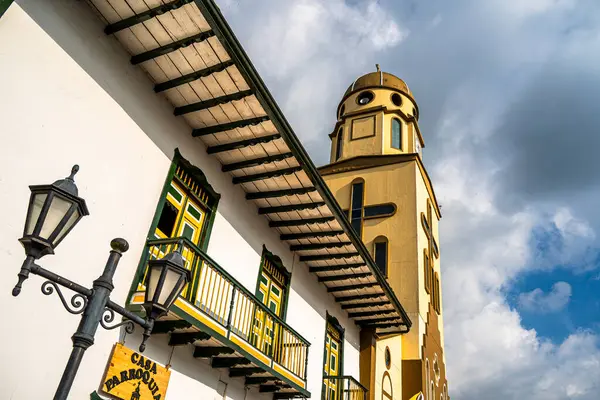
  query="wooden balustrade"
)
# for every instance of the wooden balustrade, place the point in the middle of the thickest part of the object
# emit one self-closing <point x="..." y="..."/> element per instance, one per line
<point x="216" y="293"/>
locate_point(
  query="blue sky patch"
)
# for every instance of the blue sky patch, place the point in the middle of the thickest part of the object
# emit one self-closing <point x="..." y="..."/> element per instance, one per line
<point x="548" y="310"/>
<point x="581" y="312"/>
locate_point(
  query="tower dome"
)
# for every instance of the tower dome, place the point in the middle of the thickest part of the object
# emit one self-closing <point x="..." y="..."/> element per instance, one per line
<point x="377" y="116"/>
<point x="378" y="79"/>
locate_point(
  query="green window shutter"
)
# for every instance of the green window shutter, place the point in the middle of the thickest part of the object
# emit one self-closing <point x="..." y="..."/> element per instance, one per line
<point x="195" y="213"/>
<point x="188" y="232"/>
<point x="174" y="192"/>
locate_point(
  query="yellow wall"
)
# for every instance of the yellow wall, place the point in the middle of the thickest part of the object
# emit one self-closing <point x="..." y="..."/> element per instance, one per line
<point x="392" y="183"/>
<point x="356" y="141"/>
<point x="424" y="297"/>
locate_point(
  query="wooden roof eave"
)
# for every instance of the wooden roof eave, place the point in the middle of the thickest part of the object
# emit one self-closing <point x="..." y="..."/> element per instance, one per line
<point x="219" y="28"/>
<point x="224" y="33"/>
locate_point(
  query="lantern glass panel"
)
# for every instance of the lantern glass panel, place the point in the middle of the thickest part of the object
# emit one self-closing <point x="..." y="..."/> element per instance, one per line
<point x="58" y="209"/>
<point x="155" y="273"/>
<point x="70" y="222"/>
<point x="172" y="283"/>
<point x="34" y="212"/>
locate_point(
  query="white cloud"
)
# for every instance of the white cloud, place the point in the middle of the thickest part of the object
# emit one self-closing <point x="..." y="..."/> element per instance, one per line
<point x="489" y="353"/>
<point x="565" y="241"/>
<point x="540" y="302"/>
<point x="310" y="50"/>
<point x="521" y="10"/>
<point x="571" y="226"/>
<point x="312" y="30"/>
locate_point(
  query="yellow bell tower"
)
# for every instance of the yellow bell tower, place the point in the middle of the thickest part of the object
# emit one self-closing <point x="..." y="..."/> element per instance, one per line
<point x="377" y="175"/>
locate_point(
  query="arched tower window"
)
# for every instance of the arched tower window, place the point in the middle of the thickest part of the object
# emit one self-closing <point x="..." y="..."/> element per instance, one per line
<point x="356" y="207"/>
<point x="380" y="252"/>
<point x="396" y="134"/>
<point x="339" y="144"/>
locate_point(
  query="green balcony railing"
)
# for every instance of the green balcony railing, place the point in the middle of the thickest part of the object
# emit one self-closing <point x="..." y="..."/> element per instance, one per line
<point x="233" y="307"/>
<point x="343" y="388"/>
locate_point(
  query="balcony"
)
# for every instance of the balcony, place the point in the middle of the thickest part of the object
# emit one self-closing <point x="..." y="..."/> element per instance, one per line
<point x="228" y="325"/>
<point x="343" y="388"/>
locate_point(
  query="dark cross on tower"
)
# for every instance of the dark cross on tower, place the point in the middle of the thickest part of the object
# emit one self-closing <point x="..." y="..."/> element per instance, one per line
<point x="359" y="212"/>
<point x="432" y="247"/>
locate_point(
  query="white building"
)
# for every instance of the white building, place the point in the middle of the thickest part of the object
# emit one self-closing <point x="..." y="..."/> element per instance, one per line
<point x="176" y="136"/>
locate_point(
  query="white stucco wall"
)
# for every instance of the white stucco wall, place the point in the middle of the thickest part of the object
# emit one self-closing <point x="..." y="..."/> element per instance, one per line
<point x="69" y="95"/>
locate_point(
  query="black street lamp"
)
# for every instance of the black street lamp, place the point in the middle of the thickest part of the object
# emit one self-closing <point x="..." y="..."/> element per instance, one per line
<point x="167" y="278"/>
<point x="53" y="212"/>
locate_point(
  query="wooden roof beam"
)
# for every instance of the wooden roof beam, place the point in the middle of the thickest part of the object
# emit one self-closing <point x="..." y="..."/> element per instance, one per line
<point x="333" y="268"/>
<point x="244" y="371"/>
<point x="342" y="299"/>
<point x="211" y="130"/>
<point x="390" y="325"/>
<point x="344" y="277"/>
<point x="242" y="143"/>
<point x="256" y="162"/>
<point x="203" y="105"/>
<point x="279" y="193"/>
<point x="353" y="306"/>
<point x="266" y="175"/>
<point x="375" y="321"/>
<point x="166" y="49"/>
<point x="166" y="326"/>
<point x="144" y="16"/>
<point x="370" y="313"/>
<point x="179" y="339"/>
<point x="352" y="287"/>
<point x="270" y="388"/>
<point x="211" y="351"/>
<point x="257" y="380"/>
<point x="291" y="207"/>
<point x="309" y="235"/>
<point x="160" y="87"/>
<point x="287" y="395"/>
<point x="228" y="362"/>
<point x="320" y="257"/>
<point x="318" y="246"/>
<point x="300" y="222"/>
<point x="403" y="329"/>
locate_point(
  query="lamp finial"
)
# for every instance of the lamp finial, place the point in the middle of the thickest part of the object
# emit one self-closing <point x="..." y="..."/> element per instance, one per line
<point x="74" y="170"/>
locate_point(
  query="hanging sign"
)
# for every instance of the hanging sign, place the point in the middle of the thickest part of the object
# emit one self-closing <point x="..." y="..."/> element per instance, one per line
<point x="131" y="376"/>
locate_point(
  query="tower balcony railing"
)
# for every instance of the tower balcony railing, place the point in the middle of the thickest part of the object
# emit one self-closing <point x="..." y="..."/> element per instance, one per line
<point x="343" y="388"/>
<point x="224" y="308"/>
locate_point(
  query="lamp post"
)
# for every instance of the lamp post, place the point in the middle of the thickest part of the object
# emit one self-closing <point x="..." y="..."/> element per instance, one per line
<point x="52" y="213"/>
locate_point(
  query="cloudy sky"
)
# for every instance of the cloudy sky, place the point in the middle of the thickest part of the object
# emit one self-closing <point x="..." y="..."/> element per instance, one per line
<point x="509" y="94"/>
